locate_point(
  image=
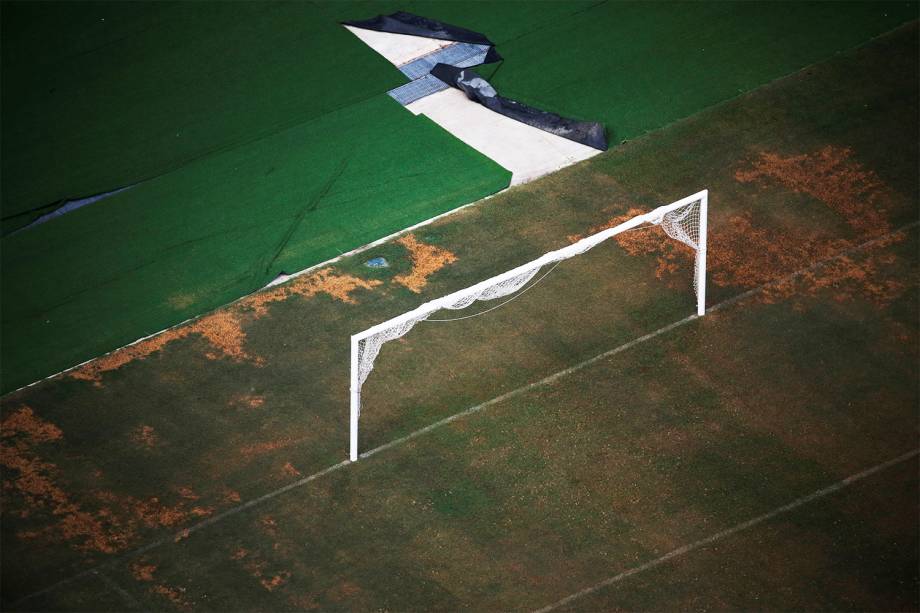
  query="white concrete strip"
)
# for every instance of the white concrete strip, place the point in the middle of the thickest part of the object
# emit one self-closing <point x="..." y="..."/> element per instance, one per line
<point x="526" y="151"/>
<point x="399" y="49"/>
<point x="474" y="409"/>
<point x="798" y="502"/>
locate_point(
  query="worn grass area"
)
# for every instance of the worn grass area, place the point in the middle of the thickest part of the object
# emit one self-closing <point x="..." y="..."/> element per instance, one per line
<point x="553" y="490"/>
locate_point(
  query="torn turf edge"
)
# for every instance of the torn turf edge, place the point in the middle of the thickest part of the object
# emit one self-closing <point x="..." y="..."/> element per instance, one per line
<point x="589" y="133"/>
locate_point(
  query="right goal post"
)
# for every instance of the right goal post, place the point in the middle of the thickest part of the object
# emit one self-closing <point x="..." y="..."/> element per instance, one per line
<point x="684" y="220"/>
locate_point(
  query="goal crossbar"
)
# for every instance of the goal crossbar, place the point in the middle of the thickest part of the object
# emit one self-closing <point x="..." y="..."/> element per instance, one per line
<point x="362" y="356"/>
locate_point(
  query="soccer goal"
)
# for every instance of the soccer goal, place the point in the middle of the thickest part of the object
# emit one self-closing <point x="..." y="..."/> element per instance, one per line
<point x="684" y="221"/>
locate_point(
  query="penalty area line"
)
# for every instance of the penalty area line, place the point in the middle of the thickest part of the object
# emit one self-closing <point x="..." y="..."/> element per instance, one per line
<point x="754" y="521"/>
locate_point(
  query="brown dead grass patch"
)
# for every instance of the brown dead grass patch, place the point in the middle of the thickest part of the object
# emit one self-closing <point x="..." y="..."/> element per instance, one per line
<point x="426" y="260"/>
<point x="35" y="483"/>
<point x="145" y="436"/>
<point x="832" y="177"/>
<point x="255" y="566"/>
<point x="231" y="496"/>
<point x="846" y="278"/>
<point x="338" y="286"/>
<point x="269" y="446"/>
<point x="248" y="401"/>
<point x="115" y="519"/>
<point x="672" y="256"/>
<point x="176" y="595"/>
<point x="746" y="255"/>
<point x="142" y="571"/>
<point x="289" y="470"/>
<point x="222" y="330"/>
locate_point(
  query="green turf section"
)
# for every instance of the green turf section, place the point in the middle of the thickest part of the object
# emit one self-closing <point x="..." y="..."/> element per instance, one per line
<point x="639" y="66"/>
<point x="264" y="142"/>
<point x="222" y="227"/>
<point x="131" y="90"/>
<point x="553" y="490"/>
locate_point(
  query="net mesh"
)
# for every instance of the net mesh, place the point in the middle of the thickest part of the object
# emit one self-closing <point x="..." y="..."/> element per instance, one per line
<point x="681" y="224"/>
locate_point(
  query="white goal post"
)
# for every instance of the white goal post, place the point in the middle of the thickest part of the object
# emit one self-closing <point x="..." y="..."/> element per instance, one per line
<point x="684" y="221"/>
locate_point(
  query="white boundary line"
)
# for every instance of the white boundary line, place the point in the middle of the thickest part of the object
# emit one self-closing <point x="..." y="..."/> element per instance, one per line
<point x="798" y="502"/>
<point x="474" y="409"/>
<point x="287" y="278"/>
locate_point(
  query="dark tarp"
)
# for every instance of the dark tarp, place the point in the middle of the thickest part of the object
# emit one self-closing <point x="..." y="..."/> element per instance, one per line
<point x="476" y="88"/>
<point x="416" y="25"/>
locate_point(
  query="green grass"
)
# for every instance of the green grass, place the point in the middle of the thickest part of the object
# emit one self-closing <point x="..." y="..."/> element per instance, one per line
<point x="280" y="150"/>
<point x="560" y="487"/>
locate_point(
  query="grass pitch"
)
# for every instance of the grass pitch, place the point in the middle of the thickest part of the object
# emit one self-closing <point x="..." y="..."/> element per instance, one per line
<point x="804" y="374"/>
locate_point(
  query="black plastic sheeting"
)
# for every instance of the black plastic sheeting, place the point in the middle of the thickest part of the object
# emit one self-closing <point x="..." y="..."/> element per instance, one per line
<point x="476" y="88"/>
<point x="416" y="25"/>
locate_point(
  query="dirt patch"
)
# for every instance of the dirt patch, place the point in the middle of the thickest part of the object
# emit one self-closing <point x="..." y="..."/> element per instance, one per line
<point x="145" y="436"/>
<point x="832" y="177"/>
<point x="338" y="286"/>
<point x="426" y="260"/>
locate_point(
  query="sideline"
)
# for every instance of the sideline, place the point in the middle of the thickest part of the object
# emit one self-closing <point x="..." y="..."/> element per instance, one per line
<point x="798" y="502"/>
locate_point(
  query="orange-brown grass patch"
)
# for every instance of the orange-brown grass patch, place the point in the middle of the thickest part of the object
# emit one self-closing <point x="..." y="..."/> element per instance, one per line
<point x="25" y="422"/>
<point x="222" y="330"/>
<point x="289" y="470"/>
<point x="116" y="519"/>
<point x="142" y="571"/>
<point x="36" y="484"/>
<point x="672" y="256"/>
<point x="269" y="446"/>
<point x="182" y="535"/>
<point x="833" y="178"/>
<point x="145" y="436"/>
<point x="426" y="260"/>
<point x="188" y="493"/>
<point x="175" y="595"/>
<point x="338" y="286"/>
<point x="255" y="566"/>
<point x="231" y="496"/>
<point x="846" y="279"/>
<point x="248" y="401"/>
<point x="743" y="254"/>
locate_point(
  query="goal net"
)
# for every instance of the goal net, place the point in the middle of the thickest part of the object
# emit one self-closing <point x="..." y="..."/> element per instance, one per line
<point x="684" y="221"/>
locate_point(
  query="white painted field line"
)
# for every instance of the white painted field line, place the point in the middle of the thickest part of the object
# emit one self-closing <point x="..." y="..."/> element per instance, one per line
<point x="798" y="502"/>
<point x="284" y="279"/>
<point x="471" y="410"/>
<point x="129" y="601"/>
